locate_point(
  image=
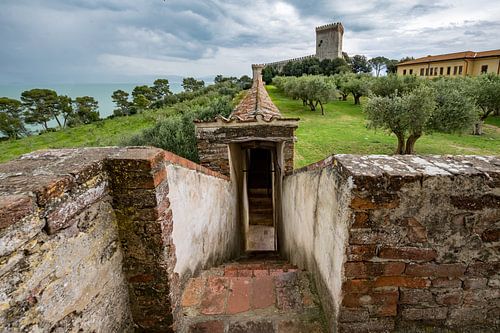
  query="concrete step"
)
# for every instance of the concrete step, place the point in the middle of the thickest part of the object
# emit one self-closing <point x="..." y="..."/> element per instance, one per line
<point x="254" y="220"/>
<point x="251" y="296"/>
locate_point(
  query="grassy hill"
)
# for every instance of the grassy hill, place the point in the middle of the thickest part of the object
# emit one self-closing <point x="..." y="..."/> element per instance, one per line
<point x="343" y="130"/>
<point x="108" y="132"/>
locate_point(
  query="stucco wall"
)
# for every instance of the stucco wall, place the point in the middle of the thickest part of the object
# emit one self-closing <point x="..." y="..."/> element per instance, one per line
<point x="315" y="228"/>
<point x="205" y="229"/>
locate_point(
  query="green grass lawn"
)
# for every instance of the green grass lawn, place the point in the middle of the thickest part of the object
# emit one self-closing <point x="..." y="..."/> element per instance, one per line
<point x="109" y="132"/>
<point x="343" y="131"/>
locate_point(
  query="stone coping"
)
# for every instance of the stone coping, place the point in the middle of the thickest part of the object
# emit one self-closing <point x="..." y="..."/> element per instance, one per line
<point x="33" y="180"/>
<point x="410" y="165"/>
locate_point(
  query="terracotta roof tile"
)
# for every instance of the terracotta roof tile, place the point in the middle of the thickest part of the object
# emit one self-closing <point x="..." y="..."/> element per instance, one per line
<point x="453" y="56"/>
<point x="256" y="102"/>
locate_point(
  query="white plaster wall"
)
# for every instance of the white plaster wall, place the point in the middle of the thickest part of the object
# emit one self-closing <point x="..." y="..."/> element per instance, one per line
<point x="205" y="224"/>
<point x="315" y="229"/>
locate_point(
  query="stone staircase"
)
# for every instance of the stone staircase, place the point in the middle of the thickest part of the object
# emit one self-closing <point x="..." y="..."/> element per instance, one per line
<point x="261" y="226"/>
<point x="260" y="202"/>
<point x="251" y="296"/>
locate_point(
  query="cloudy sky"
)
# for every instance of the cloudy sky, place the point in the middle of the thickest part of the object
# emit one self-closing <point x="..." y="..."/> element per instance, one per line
<point x="63" y="41"/>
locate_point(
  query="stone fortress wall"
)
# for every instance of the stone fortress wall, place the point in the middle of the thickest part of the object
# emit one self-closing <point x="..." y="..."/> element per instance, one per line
<point x="329" y="40"/>
<point x="103" y="239"/>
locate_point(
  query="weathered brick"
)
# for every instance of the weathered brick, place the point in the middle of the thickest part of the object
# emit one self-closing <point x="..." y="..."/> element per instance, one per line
<point x="491" y="235"/>
<point x="449" y="298"/>
<point x="361" y="252"/>
<point x="475" y="283"/>
<point x="214" y="298"/>
<point x="353" y="315"/>
<point x="263" y="293"/>
<point x="370" y="236"/>
<point x="193" y="292"/>
<point x="435" y="270"/>
<point x="239" y="295"/>
<point x="371" y="269"/>
<point x="446" y="283"/>
<point x="361" y="220"/>
<point x="357" y="286"/>
<point x="252" y="326"/>
<point x="416" y="297"/>
<point x="14" y="207"/>
<point x="214" y="326"/>
<point x="416" y="232"/>
<point x="408" y="253"/>
<point x="368" y="326"/>
<point x="466" y="315"/>
<point x="353" y="300"/>
<point x="401" y="281"/>
<point x="433" y="313"/>
<point x="379" y="201"/>
<point x="485" y="269"/>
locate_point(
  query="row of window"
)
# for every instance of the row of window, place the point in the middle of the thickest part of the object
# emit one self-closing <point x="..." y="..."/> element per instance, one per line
<point x="433" y="71"/>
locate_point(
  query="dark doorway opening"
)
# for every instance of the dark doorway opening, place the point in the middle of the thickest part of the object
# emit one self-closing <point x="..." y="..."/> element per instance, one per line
<point x="261" y="217"/>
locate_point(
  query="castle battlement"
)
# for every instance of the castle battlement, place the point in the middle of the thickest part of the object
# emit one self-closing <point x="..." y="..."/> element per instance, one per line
<point x="336" y="25"/>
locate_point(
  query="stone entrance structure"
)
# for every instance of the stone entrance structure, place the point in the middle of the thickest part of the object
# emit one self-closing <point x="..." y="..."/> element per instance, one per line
<point x="255" y="147"/>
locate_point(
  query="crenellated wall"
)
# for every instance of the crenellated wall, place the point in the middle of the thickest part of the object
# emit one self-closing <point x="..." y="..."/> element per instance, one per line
<point x="399" y="243"/>
<point x="103" y="239"/>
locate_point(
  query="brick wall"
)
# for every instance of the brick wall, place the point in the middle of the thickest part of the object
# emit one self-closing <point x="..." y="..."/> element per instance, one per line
<point x="213" y="143"/>
<point x="422" y="244"/>
<point x="88" y="238"/>
<point x="60" y="257"/>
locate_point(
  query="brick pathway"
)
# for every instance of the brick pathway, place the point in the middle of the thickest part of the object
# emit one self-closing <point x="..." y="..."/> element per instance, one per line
<point x="265" y="296"/>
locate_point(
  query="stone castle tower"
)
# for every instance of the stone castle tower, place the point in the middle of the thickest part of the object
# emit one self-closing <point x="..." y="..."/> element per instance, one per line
<point x="329" y="41"/>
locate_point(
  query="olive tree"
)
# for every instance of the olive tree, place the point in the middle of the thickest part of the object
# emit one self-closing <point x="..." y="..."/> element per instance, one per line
<point x="442" y="107"/>
<point x="358" y="86"/>
<point x="485" y="90"/>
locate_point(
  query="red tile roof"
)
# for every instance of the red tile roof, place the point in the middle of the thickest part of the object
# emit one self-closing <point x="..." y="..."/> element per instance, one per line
<point x="453" y="56"/>
<point x="256" y="102"/>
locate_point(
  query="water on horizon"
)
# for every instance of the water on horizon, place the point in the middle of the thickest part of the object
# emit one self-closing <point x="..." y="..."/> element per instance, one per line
<point x="100" y="91"/>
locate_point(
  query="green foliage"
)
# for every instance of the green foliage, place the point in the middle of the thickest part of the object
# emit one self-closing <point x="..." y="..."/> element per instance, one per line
<point x="123" y="106"/>
<point x="85" y="111"/>
<point x="311" y="89"/>
<point x="456" y="111"/>
<point x="358" y="85"/>
<point x="41" y="105"/>
<point x="378" y="63"/>
<point x="177" y="133"/>
<point x="413" y="110"/>
<point x="342" y="130"/>
<point x="360" y="64"/>
<point x="485" y="90"/>
<point x="393" y="84"/>
<point x="190" y="84"/>
<point x="11" y="122"/>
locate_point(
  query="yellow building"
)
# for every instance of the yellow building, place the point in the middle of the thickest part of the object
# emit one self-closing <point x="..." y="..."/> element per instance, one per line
<point x="453" y="64"/>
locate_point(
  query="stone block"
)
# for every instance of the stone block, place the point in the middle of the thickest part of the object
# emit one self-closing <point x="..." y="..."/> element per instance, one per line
<point x="372" y="269"/>
<point x="408" y="253"/>
<point x="446" y="283"/>
<point x="416" y="297"/>
<point x="435" y="270"/>
<point x="426" y="314"/>
<point x="475" y="283"/>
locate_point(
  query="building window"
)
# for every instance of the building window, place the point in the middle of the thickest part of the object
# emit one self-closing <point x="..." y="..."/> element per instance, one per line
<point x="427" y="72"/>
<point x="435" y="71"/>
<point x="441" y="71"/>
<point x="422" y="71"/>
<point x="404" y="71"/>
<point x="448" y="71"/>
<point x="460" y="68"/>
<point x="411" y="71"/>
<point x="484" y="69"/>
<point x="455" y="70"/>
